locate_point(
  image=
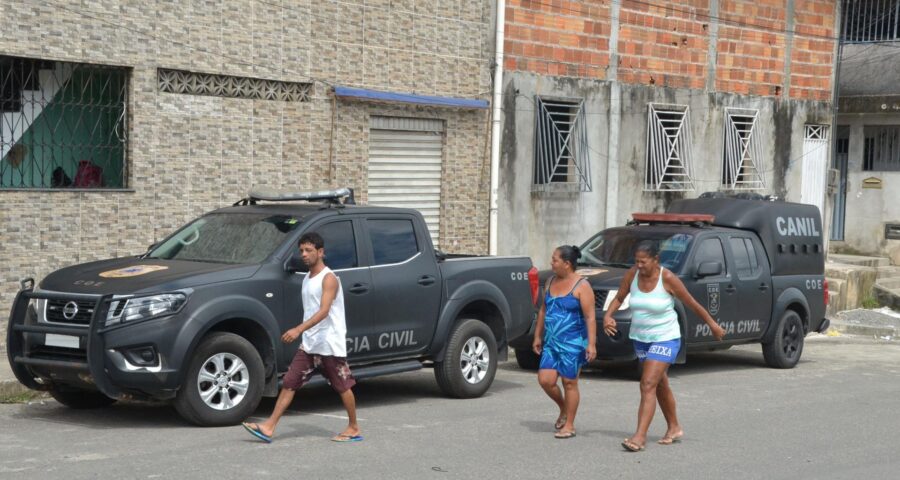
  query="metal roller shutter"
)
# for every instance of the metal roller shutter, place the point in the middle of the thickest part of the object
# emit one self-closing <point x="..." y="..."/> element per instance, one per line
<point x="405" y="171"/>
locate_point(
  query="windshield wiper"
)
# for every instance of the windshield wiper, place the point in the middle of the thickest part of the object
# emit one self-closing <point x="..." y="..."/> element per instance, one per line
<point x="616" y="265"/>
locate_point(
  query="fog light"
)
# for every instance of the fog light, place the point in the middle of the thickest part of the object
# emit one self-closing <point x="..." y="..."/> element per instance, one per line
<point x="141" y="356"/>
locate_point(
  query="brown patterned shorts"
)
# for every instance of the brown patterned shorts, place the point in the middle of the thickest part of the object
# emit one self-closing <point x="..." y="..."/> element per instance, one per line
<point x="334" y="369"/>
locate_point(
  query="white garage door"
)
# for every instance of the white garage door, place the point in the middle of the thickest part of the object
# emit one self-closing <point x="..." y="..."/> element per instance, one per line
<point x="405" y="168"/>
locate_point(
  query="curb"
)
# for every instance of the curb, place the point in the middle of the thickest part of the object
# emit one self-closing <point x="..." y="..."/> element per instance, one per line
<point x="865" y="330"/>
<point x="12" y="387"/>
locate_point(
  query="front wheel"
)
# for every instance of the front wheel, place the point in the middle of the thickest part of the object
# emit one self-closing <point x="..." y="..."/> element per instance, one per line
<point x="470" y="361"/>
<point x="785" y="349"/>
<point x="224" y="382"/>
<point x="80" y="399"/>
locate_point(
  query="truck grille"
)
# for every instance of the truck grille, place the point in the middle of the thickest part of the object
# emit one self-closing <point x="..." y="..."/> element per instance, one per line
<point x="46" y="352"/>
<point x="56" y="312"/>
<point x="600" y="298"/>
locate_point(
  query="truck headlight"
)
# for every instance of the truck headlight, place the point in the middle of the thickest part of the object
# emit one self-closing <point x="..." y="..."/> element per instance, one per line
<point x="611" y="296"/>
<point x="142" y="308"/>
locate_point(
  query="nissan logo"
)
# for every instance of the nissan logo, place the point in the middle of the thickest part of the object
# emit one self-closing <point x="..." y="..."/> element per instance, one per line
<point x="70" y="310"/>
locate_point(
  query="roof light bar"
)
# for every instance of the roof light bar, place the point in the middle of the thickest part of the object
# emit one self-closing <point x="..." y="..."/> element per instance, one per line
<point x="673" y="218"/>
<point x="272" y="195"/>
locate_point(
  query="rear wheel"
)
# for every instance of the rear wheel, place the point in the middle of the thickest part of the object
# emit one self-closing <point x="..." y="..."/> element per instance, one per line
<point x="224" y="381"/>
<point x="470" y="361"/>
<point x="527" y="359"/>
<point x="80" y="399"/>
<point x="785" y="349"/>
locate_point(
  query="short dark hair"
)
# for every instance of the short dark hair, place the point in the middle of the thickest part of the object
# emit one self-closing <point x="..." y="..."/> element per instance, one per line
<point x="313" y="238"/>
<point x="649" y="247"/>
<point x="570" y="254"/>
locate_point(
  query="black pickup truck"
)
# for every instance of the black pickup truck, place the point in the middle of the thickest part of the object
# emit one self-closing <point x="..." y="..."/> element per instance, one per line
<point x="198" y="319"/>
<point x="756" y="265"/>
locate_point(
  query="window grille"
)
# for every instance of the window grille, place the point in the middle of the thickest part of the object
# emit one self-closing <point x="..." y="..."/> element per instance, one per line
<point x="865" y="21"/>
<point x="742" y="160"/>
<point x="669" y="165"/>
<point x="62" y="124"/>
<point x="881" y="148"/>
<point x="561" y="147"/>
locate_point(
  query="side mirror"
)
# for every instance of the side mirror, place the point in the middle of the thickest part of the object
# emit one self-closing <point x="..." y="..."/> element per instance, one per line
<point x="709" y="269"/>
<point x="295" y="264"/>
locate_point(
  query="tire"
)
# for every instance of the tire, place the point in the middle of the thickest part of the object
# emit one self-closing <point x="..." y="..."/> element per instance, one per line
<point x="785" y="349"/>
<point x="527" y="359"/>
<point x="208" y="371"/>
<point x="80" y="399"/>
<point x="456" y="374"/>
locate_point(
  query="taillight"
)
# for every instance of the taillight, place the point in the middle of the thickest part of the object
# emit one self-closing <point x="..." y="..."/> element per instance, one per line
<point x="826" y="292"/>
<point x="534" y="283"/>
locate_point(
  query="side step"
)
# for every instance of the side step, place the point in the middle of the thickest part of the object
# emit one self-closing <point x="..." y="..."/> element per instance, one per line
<point x="368" y="371"/>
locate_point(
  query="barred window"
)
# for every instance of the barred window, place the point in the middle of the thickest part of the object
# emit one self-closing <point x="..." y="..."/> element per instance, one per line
<point x="742" y="161"/>
<point x="669" y="149"/>
<point x="62" y="124"/>
<point x="560" y="147"/>
<point x="881" y="149"/>
<point x="865" y="21"/>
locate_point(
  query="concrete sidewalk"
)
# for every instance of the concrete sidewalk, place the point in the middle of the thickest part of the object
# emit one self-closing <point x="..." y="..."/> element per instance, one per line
<point x="883" y="323"/>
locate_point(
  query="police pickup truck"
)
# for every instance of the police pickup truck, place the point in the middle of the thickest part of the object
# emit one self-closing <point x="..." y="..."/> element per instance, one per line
<point x="198" y="319"/>
<point x="756" y="265"/>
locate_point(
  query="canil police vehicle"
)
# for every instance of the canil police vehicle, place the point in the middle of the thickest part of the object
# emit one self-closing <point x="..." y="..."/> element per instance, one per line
<point x="756" y="265"/>
<point x="198" y="319"/>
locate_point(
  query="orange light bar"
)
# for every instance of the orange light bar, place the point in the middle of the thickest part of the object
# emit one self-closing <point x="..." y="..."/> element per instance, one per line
<point x="673" y="217"/>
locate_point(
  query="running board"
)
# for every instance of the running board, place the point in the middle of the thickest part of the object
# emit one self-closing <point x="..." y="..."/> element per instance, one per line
<point x="368" y="371"/>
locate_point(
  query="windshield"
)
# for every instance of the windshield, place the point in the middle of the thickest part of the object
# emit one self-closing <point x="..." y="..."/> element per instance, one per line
<point x="228" y="238"/>
<point x="615" y="248"/>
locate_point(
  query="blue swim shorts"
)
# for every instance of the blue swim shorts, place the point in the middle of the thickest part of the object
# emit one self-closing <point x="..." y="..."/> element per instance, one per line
<point x="666" y="351"/>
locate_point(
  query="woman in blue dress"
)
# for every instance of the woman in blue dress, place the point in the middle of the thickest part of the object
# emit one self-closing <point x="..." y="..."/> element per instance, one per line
<point x="565" y="335"/>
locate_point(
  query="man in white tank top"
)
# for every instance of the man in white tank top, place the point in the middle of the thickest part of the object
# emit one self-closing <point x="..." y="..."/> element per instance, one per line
<point x="323" y="346"/>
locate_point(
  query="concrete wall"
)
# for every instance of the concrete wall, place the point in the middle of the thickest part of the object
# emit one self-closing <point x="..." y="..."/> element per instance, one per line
<point x="869" y="69"/>
<point x="869" y="209"/>
<point x="535" y="223"/>
<point x="188" y="154"/>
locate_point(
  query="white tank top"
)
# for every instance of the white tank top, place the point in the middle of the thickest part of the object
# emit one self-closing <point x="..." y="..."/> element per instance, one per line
<point x="653" y="316"/>
<point x="328" y="337"/>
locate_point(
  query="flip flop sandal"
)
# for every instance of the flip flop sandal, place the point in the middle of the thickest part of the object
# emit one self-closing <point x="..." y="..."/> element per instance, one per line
<point x="564" y="435"/>
<point x="561" y="422"/>
<point x="256" y="432"/>
<point x="631" y="446"/>
<point x="669" y="440"/>
<point x="342" y="438"/>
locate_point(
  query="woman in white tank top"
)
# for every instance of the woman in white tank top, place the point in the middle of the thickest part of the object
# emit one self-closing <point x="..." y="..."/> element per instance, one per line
<point x="656" y="336"/>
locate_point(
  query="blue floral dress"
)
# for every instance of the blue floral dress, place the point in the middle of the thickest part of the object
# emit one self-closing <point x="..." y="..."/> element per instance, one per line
<point x="565" y="334"/>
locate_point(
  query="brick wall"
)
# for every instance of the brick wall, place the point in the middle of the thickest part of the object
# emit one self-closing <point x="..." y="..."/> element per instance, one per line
<point x="751" y="58"/>
<point x="567" y="38"/>
<point x="813" y="56"/>
<point x="668" y="43"/>
<point x="664" y="45"/>
<point x="189" y="154"/>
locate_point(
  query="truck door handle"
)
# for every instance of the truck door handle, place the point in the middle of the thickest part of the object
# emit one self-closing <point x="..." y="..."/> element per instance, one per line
<point x="426" y="280"/>
<point x="730" y="289"/>
<point x="359" y="288"/>
<point x="763" y="287"/>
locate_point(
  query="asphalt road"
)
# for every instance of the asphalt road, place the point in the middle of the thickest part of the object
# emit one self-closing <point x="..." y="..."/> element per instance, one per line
<point x="836" y="415"/>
